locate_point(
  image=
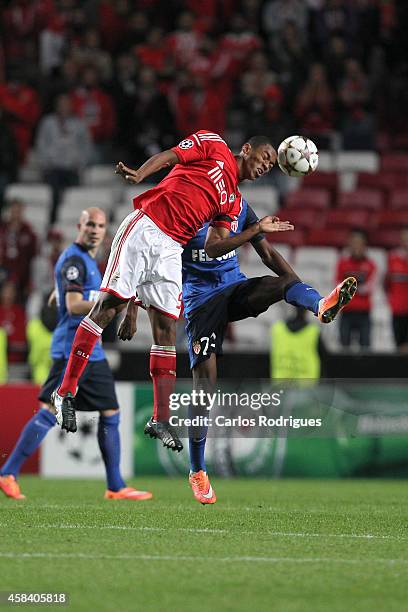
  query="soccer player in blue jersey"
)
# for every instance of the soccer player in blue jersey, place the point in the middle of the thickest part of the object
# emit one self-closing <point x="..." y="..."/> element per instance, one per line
<point x="216" y="292"/>
<point x="77" y="282"/>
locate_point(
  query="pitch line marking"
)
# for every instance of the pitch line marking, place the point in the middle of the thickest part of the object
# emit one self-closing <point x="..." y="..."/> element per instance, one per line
<point x="40" y="555"/>
<point x="284" y="534"/>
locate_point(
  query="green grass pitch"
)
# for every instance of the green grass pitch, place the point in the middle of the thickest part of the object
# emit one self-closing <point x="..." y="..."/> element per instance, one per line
<point x="266" y="545"/>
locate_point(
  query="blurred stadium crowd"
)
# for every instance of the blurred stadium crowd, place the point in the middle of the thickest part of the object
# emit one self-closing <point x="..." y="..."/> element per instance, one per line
<point x="85" y="83"/>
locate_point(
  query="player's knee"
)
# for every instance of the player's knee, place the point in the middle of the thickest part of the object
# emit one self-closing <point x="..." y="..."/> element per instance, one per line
<point x="109" y="413"/>
<point x="164" y="330"/>
<point x="105" y="308"/>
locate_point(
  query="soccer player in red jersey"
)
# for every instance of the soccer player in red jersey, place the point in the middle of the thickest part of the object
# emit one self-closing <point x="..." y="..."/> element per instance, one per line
<point x="145" y="259"/>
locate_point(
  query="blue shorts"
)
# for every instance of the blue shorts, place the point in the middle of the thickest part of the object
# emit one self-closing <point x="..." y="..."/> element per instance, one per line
<point x="206" y="324"/>
<point x="96" y="387"/>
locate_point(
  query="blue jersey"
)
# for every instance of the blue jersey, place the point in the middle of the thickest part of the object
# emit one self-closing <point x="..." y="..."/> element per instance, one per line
<point x="77" y="271"/>
<point x="204" y="277"/>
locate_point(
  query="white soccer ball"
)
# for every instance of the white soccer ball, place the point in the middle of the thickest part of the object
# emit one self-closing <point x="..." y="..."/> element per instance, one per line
<point x="298" y="156"/>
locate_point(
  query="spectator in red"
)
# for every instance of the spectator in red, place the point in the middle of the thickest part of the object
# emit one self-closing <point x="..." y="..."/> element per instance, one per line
<point x="18" y="247"/>
<point x="396" y="283"/>
<point x="21" y="108"/>
<point x="239" y="42"/>
<point x="22" y="21"/>
<point x="95" y="106"/>
<point x="153" y="52"/>
<point x="13" y="321"/>
<point x="113" y="20"/>
<point x="184" y="42"/>
<point x="314" y="106"/>
<point x="358" y="128"/>
<point x="195" y="103"/>
<point x="355" y="318"/>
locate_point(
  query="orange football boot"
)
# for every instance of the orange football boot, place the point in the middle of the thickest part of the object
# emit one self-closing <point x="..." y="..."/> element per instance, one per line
<point x="10" y="487"/>
<point x="128" y="493"/>
<point x="341" y="295"/>
<point x="202" y="489"/>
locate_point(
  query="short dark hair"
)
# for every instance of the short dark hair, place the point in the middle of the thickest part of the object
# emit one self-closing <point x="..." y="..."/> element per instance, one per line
<point x="360" y="231"/>
<point x="258" y="141"/>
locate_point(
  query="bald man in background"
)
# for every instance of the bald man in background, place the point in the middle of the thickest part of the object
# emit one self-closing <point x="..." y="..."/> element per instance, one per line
<point x="77" y="282"/>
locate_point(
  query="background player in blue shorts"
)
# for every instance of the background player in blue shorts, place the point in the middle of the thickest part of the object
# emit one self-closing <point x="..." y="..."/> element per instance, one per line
<point x="77" y="282"/>
<point x="216" y="292"/>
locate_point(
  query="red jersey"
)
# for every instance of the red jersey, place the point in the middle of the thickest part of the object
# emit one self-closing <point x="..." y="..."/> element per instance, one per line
<point x="201" y="187"/>
<point x="364" y="271"/>
<point x="397" y="281"/>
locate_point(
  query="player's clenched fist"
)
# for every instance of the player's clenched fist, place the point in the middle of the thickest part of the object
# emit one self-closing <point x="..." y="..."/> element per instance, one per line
<point x="271" y="224"/>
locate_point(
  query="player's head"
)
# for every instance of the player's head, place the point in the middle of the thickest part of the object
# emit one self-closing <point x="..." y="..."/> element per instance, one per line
<point x="91" y="228"/>
<point x="257" y="157"/>
<point x="357" y="242"/>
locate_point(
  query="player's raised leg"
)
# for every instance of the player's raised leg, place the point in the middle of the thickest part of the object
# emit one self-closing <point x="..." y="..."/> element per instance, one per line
<point x="163" y="373"/>
<point x="87" y="335"/>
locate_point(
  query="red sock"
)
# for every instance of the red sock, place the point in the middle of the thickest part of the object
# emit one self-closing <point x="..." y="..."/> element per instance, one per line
<point x="87" y="335"/>
<point x="163" y="373"/>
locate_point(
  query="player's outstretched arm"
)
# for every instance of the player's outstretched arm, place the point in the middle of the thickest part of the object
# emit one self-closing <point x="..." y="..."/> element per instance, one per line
<point x="165" y="159"/>
<point x="219" y="242"/>
<point x="272" y="258"/>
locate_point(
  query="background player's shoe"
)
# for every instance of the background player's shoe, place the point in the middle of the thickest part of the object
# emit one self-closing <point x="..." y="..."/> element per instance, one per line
<point x="164" y="432"/>
<point x="202" y="489"/>
<point x="341" y="295"/>
<point x="65" y="410"/>
<point x="10" y="487"/>
<point x="128" y="493"/>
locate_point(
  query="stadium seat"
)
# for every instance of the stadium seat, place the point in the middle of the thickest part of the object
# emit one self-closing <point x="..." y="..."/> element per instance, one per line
<point x="303" y="218"/>
<point x="394" y="162"/>
<point x="392" y="218"/>
<point x="384" y="181"/>
<point x="327" y="162"/>
<point x="357" y="161"/>
<point x="308" y="198"/>
<point x="347" y="219"/>
<point x="327" y="237"/>
<point x="76" y="199"/>
<point x="321" y="180"/>
<point x="293" y="239"/>
<point x="262" y="198"/>
<point x="95" y="176"/>
<point x="386" y="238"/>
<point x="37" y="194"/>
<point x="361" y="198"/>
<point x="316" y="266"/>
<point x="131" y="191"/>
<point x="399" y="199"/>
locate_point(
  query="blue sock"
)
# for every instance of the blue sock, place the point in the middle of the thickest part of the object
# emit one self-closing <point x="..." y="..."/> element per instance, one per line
<point x="30" y="439"/>
<point x="109" y="443"/>
<point x="300" y="294"/>
<point x="197" y="437"/>
<point x="197" y="450"/>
